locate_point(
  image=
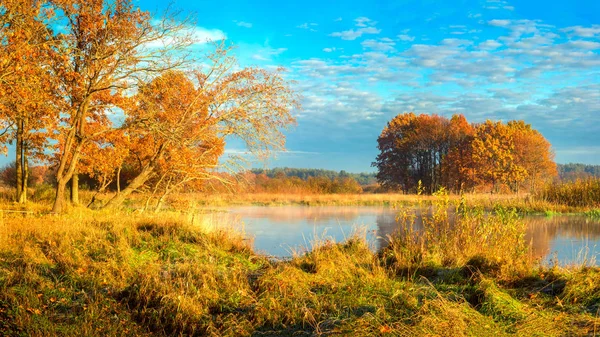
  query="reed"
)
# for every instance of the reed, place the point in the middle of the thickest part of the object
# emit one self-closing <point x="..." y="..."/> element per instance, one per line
<point x="582" y="193"/>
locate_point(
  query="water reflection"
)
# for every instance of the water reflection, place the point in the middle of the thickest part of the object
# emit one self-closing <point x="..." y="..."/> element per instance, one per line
<point x="279" y="231"/>
<point x="571" y="239"/>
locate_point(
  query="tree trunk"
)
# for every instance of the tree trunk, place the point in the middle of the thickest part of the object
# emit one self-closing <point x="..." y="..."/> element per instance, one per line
<point x="119" y="180"/>
<point x="59" y="201"/>
<point x="23" y="198"/>
<point x="66" y="168"/>
<point x="136" y="183"/>
<point x="75" y="188"/>
<point x="162" y="197"/>
<point x="160" y="202"/>
<point x="19" y="161"/>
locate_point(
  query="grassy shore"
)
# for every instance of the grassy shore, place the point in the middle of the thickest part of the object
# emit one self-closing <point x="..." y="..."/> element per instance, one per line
<point x="524" y="204"/>
<point x="93" y="273"/>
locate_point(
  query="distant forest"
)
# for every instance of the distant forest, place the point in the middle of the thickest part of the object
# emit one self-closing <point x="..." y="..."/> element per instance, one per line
<point x="573" y="171"/>
<point x="302" y="173"/>
<point x="566" y="172"/>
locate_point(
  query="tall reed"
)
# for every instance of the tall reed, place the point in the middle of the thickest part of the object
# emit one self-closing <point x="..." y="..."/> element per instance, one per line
<point x="580" y="193"/>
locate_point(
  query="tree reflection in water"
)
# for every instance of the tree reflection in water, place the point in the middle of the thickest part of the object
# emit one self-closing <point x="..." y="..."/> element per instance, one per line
<point x="280" y="230"/>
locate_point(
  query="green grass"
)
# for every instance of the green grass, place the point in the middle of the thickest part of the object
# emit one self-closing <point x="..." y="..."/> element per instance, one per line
<point x="118" y="274"/>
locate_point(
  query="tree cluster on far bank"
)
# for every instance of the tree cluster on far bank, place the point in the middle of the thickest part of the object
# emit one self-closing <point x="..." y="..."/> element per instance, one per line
<point x="429" y="152"/>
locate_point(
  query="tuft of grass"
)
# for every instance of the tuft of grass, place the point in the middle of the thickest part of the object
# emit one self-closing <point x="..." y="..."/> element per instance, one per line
<point x="454" y="236"/>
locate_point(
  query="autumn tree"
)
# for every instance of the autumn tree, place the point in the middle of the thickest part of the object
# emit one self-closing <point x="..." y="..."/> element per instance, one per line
<point x="533" y="153"/>
<point x="393" y="162"/>
<point x="457" y="165"/>
<point x="413" y="148"/>
<point x="29" y="99"/>
<point x="106" y="48"/>
<point x="179" y="122"/>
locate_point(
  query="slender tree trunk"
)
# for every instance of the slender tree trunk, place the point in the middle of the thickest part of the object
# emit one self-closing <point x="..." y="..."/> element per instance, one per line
<point x="19" y="161"/>
<point x="162" y="197"/>
<point x="23" y="198"/>
<point x="147" y="203"/>
<point x="119" y="180"/>
<point x="61" y="185"/>
<point x="160" y="202"/>
<point x="75" y="188"/>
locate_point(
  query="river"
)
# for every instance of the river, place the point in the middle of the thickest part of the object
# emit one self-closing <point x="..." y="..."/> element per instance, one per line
<point x="281" y="231"/>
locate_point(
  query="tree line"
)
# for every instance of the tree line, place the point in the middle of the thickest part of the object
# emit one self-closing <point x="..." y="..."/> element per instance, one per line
<point x="429" y="152"/>
<point x="574" y="171"/>
<point x="98" y="87"/>
<point x="363" y="178"/>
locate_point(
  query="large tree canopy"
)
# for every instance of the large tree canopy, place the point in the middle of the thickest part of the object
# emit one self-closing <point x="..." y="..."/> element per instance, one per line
<point x="436" y="152"/>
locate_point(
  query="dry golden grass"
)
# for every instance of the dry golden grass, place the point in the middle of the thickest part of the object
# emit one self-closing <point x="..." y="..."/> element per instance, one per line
<point x="269" y="199"/>
<point x="107" y="273"/>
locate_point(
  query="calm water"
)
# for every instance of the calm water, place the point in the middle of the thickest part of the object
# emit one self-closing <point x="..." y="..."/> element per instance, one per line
<point x="279" y="231"/>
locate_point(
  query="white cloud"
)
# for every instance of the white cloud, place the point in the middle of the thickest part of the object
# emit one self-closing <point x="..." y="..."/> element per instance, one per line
<point x="581" y="44"/>
<point x="243" y="24"/>
<point x="308" y="26"/>
<point x="352" y="34"/>
<point x="364" y="22"/>
<point x="581" y="31"/>
<point x="196" y="34"/>
<point x="499" y="23"/>
<point x="268" y="53"/>
<point x="384" y="45"/>
<point x="366" y="26"/>
<point x="489" y="45"/>
<point x="406" y="37"/>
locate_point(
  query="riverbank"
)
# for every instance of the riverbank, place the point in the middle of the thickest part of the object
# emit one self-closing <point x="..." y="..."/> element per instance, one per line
<point x="117" y="274"/>
<point x="524" y="204"/>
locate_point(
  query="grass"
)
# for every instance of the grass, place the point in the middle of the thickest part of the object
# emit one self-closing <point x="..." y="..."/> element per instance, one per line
<point x="523" y="204"/>
<point x="96" y="273"/>
<point x="540" y="203"/>
<point x="583" y="193"/>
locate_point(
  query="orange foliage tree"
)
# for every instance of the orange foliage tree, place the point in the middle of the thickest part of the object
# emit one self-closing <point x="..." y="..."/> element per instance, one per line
<point x="437" y="152"/>
<point x="28" y="95"/>
<point x="533" y="153"/>
<point x="106" y="46"/>
<point x="457" y="165"/>
<point x="178" y="122"/>
<point x="413" y="149"/>
<point x="493" y="151"/>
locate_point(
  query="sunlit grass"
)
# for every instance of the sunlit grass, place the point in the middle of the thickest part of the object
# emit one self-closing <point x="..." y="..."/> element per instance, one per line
<point x="584" y="193"/>
<point x="107" y="273"/>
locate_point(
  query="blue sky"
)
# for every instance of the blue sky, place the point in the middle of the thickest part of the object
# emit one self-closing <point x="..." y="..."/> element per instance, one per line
<point x="359" y="63"/>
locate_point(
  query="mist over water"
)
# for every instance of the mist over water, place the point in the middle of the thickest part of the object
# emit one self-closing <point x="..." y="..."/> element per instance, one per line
<point x="280" y="231"/>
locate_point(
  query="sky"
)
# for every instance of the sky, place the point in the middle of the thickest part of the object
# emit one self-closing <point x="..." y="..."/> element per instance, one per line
<point x="357" y="64"/>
